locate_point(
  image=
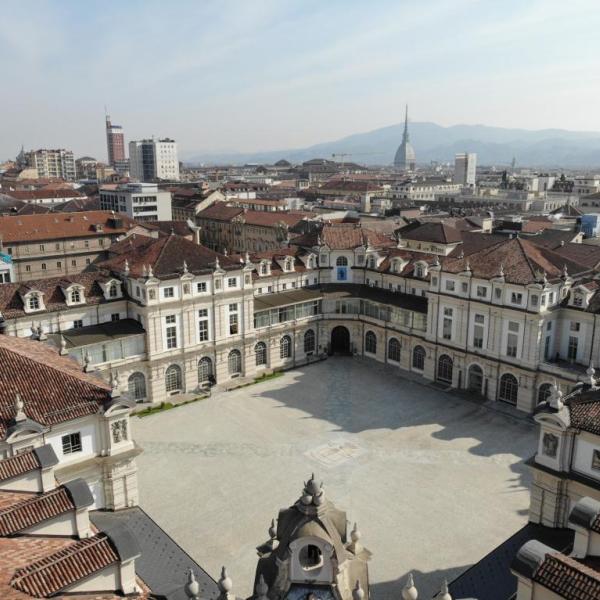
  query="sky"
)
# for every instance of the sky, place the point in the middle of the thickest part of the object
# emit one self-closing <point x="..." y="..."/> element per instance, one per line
<point x="253" y="75"/>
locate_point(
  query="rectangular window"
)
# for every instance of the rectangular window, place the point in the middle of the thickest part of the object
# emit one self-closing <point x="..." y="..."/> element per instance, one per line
<point x="481" y="291"/>
<point x="169" y="292"/>
<point x="43" y="266"/>
<point x="201" y="287"/>
<point x="498" y="293"/>
<point x="447" y="324"/>
<point x="71" y="443"/>
<point x="575" y="326"/>
<point x="233" y="319"/>
<point x="516" y="298"/>
<point x="465" y="287"/>
<point x="449" y="285"/>
<point x="596" y="460"/>
<point x="77" y="324"/>
<point x="203" y="325"/>
<point x="478" y="330"/>
<point x="232" y="282"/>
<point x="115" y="317"/>
<point x="74" y="263"/>
<point x="42" y="248"/>
<point x="572" y="348"/>
<point x="171" y="331"/>
<point x="512" y="339"/>
<point x="59" y="265"/>
<point x="534" y="300"/>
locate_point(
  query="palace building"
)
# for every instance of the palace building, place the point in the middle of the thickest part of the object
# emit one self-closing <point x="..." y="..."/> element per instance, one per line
<point x="502" y="318"/>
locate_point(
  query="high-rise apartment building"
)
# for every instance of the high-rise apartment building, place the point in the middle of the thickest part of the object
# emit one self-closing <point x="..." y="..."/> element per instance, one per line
<point x="465" y="166"/>
<point x="154" y="159"/>
<point x="53" y="163"/>
<point x="115" y="145"/>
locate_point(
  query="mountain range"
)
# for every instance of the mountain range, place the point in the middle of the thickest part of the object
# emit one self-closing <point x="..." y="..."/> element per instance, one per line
<point x="549" y="148"/>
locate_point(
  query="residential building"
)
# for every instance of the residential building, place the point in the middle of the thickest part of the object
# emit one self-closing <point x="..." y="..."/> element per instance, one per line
<point x="7" y="274"/>
<point x="115" y="146"/>
<point x="56" y="244"/>
<point x="152" y="160"/>
<point x="53" y="163"/>
<point x="465" y="168"/>
<point x="139" y="201"/>
<point x="237" y="230"/>
<point x="90" y="169"/>
<point x="405" y="159"/>
<point x="424" y="190"/>
<point x="187" y="203"/>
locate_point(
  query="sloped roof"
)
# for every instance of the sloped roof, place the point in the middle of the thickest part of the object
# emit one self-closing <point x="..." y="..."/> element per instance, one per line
<point x="53" y="388"/>
<point x="166" y="256"/>
<point x="568" y="578"/>
<point x="436" y="232"/>
<point x="521" y="260"/>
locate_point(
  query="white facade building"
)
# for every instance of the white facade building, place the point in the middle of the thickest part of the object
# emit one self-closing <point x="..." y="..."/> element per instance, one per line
<point x="59" y="164"/>
<point x="154" y="159"/>
<point x="140" y="201"/>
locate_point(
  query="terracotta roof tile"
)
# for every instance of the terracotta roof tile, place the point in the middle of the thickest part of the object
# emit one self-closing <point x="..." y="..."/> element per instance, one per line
<point x="568" y="578"/>
<point x="18" y="465"/>
<point x="58" y="226"/>
<point x="32" y="511"/>
<point x="53" y="388"/>
<point x="62" y="569"/>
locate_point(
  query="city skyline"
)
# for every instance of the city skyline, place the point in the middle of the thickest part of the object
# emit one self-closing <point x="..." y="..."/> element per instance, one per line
<point x="235" y="77"/>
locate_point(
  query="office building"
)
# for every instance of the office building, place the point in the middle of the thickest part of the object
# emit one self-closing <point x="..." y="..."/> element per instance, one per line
<point x="140" y="201"/>
<point x="115" y="145"/>
<point x="465" y="165"/>
<point x="152" y="160"/>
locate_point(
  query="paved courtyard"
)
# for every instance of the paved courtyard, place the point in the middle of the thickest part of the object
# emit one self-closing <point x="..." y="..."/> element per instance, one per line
<point x="434" y="481"/>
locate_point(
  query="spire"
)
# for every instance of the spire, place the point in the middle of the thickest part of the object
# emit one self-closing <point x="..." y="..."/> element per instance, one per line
<point x="192" y="587"/>
<point x="405" y="136"/>
<point x="409" y="591"/>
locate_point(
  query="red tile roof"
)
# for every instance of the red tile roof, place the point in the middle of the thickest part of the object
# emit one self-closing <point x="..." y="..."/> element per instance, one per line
<point x="44" y="193"/>
<point x="59" y="226"/>
<point x="436" y="232"/>
<point x="53" y="388"/>
<point x="32" y="511"/>
<point x="18" y="465"/>
<point x="62" y="569"/>
<point x="11" y="304"/>
<point x="166" y="256"/>
<point x="568" y="578"/>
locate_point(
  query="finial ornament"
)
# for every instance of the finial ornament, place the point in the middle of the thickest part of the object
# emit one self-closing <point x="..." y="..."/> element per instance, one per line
<point x="19" y="409"/>
<point x="247" y="257"/>
<point x="114" y="384"/>
<point x="355" y="535"/>
<point x="468" y="266"/>
<point x="358" y="593"/>
<point x="150" y="272"/>
<point x="185" y="267"/>
<point x="225" y="585"/>
<point x="63" y="345"/>
<point x="313" y="493"/>
<point x="192" y="587"/>
<point x="444" y="592"/>
<point x="144" y="271"/>
<point x="565" y="271"/>
<point x="262" y="589"/>
<point x="126" y="267"/>
<point x="501" y="274"/>
<point x="409" y="591"/>
<point x="555" y="400"/>
<point x="41" y="333"/>
<point x="217" y="264"/>
<point x="591" y="372"/>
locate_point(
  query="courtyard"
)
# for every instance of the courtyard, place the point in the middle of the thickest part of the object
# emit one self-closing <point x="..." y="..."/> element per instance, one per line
<point x="433" y="480"/>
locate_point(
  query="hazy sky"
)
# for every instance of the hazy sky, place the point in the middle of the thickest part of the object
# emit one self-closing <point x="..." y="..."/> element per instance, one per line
<point x="256" y="75"/>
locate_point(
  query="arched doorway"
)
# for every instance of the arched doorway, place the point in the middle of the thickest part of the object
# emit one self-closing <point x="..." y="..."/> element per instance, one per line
<point x="444" y="371"/>
<point x="340" y="340"/>
<point x="475" y="382"/>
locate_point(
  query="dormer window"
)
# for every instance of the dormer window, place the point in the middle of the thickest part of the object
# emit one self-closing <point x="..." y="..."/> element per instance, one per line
<point x="578" y="300"/>
<point x="289" y="264"/>
<point x="264" y="268"/>
<point x="34" y="302"/>
<point x="371" y="262"/>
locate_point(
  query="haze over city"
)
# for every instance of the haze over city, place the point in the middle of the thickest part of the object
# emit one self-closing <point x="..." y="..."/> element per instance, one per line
<point x="263" y="75"/>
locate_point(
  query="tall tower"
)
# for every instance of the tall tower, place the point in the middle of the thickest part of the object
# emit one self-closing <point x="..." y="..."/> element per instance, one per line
<point x="115" y="145"/>
<point x="405" y="159"/>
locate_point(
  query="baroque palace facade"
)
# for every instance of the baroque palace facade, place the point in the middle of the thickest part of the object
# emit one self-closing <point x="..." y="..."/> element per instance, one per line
<point x="501" y="317"/>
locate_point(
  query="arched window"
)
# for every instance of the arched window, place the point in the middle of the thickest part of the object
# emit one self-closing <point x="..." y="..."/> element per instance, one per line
<point x="136" y="385"/>
<point x="418" y="358"/>
<point x="444" y="372"/>
<point x="341" y="261"/>
<point x="394" y="350"/>
<point x="418" y="271"/>
<point x="370" y="342"/>
<point x="173" y="379"/>
<point x="34" y="302"/>
<point x="234" y="362"/>
<point x="260" y="351"/>
<point x="544" y="392"/>
<point x="285" y="347"/>
<point x="113" y="290"/>
<point x="509" y="388"/>
<point x="309" y="341"/>
<point x="205" y="369"/>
